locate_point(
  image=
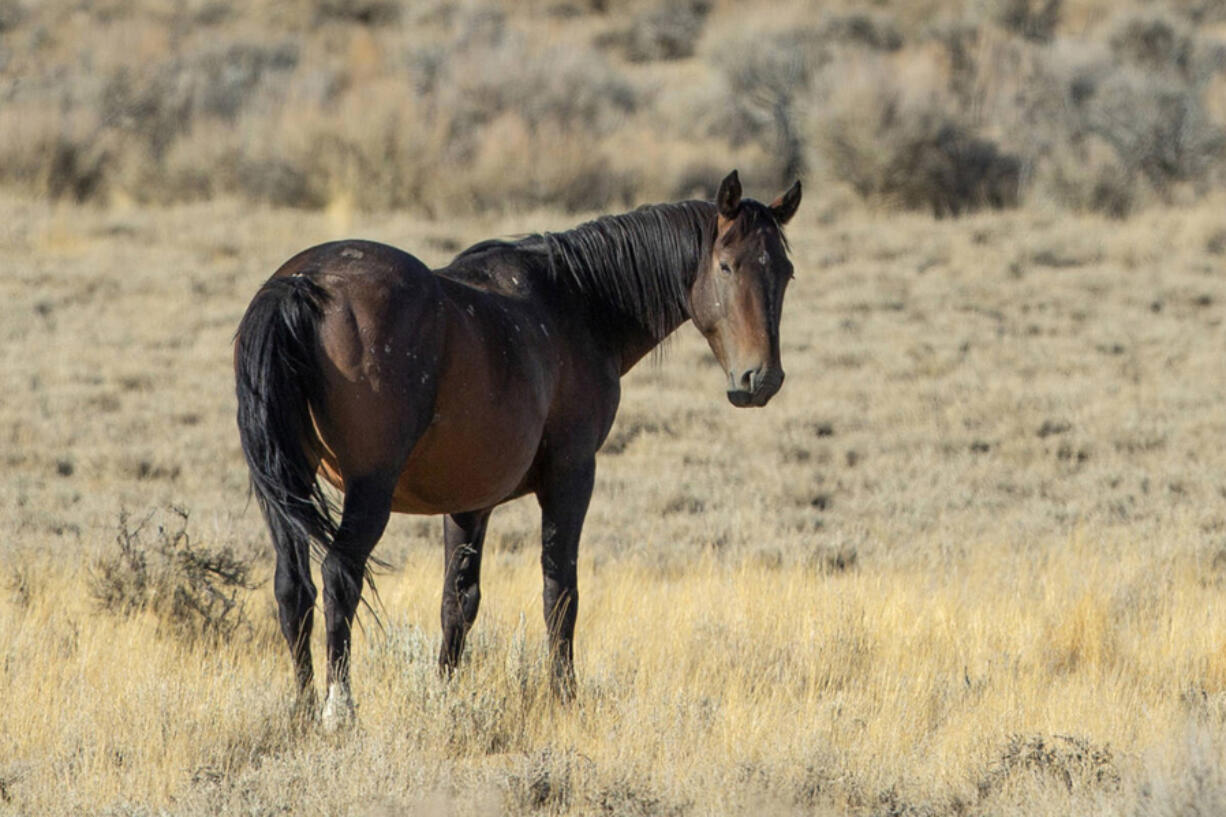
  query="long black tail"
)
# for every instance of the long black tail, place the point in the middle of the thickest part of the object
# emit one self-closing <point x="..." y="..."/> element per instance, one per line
<point x="278" y="378"/>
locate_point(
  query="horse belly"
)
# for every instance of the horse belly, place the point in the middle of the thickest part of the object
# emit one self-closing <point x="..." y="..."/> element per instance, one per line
<point x="472" y="457"/>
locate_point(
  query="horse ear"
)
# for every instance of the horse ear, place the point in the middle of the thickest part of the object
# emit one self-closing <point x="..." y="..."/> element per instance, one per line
<point x="784" y="207"/>
<point x="728" y="199"/>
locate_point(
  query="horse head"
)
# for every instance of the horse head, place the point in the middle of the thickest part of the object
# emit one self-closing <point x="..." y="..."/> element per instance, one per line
<point x="737" y="297"/>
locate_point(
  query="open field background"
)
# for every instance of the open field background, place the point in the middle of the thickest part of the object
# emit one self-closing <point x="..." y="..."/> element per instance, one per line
<point x="970" y="560"/>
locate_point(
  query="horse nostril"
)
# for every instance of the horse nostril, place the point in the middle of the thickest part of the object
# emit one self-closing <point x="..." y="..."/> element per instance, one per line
<point x="746" y="380"/>
<point x="754" y="379"/>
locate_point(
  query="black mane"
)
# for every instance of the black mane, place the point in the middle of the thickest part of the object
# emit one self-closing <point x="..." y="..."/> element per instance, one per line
<point x="639" y="264"/>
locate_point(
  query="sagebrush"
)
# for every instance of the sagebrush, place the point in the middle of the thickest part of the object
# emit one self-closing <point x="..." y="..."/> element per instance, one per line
<point x="457" y="108"/>
<point x="194" y="591"/>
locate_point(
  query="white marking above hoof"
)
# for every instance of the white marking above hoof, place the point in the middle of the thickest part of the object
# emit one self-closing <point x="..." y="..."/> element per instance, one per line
<point x="339" y="712"/>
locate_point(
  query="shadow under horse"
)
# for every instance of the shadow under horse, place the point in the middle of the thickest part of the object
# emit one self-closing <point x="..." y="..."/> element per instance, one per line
<point x="451" y="391"/>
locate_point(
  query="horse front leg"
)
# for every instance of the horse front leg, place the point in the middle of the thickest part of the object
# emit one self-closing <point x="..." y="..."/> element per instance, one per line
<point x="563" y="498"/>
<point x="464" y="536"/>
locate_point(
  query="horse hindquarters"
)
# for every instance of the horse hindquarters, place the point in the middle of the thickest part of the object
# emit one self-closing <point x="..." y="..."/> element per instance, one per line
<point x="379" y="349"/>
<point x="316" y="383"/>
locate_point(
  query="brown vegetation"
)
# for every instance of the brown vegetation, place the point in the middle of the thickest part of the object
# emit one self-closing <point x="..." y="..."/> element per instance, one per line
<point x="450" y="107"/>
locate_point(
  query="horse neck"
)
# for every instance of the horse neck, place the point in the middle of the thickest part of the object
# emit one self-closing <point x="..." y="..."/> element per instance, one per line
<point x="634" y="344"/>
<point x="635" y="272"/>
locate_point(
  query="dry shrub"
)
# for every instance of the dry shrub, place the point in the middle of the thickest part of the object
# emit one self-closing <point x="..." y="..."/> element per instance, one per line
<point x="564" y="85"/>
<point x="876" y="31"/>
<point x="553" y="167"/>
<point x="1033" y="19"/>
<point x="120" y="138"/>
<point x="546" y="781"/>
<point x="1156" y="125"/>
<point x="1130" y="133"/>
<point x="1101" y="124"/>
<point x="364" y="12"/>
<point x="247" y="118"/>
<point x="1098" y="124"/>
<point x="768" y="75"/>
<point x="485" y="122"/>
<point x="11" y="14"/>
<point x="521" y="127"/>
<point x="153" y="109"/>
<point x="74" y="170"/>
<point x="53" y="153"/>
<point x="1073" y="762"/>
<point x="943" y="167"/>
<point x="217" y="82"/>
<point x="897" y="143"/>
<point x="393" y="105"/>
<point x="833" y="96"/>
<point x="1092" y="178"/>
<point x="195" y="592"/>
<point x="1152" y="41"/>
<point x="561" y="85"/>
<point x="273" y="180"/>
<point x="665" y="31"/>
<point x="509" y="126"/>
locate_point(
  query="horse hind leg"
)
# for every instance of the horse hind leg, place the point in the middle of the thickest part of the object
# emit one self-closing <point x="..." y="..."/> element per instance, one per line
<point x="464" y="536"/>
<point x="367" y="507"/>
<point x="295" y="594"/>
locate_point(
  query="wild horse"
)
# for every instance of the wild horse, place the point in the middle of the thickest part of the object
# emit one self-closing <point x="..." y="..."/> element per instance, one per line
<point x="452" y="391"/>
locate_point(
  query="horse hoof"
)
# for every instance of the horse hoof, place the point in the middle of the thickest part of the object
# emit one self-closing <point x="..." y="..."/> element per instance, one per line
<point x="563" y="687"/>
<point x="305" y="707"/>
<point x="339" y="712"/>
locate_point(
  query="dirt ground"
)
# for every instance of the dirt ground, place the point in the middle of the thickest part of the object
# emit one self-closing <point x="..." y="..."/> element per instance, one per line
<point x="969" y="560"/>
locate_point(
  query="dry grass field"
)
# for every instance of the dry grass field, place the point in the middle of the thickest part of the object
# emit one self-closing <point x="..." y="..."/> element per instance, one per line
<point x="970" y="560"/>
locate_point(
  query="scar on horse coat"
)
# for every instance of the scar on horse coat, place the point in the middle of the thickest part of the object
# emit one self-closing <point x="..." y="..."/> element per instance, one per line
<point x="451" y="391"/>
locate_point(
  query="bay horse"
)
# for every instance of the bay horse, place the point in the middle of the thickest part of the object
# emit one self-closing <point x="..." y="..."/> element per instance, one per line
<point x="451" y="391"/>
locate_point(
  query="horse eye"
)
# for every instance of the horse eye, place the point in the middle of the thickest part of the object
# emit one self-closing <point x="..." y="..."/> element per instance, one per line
<point x="724" y="268"/>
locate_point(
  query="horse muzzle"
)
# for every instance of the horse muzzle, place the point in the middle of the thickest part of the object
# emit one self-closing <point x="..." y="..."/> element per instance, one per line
<point x="753" y="388"/>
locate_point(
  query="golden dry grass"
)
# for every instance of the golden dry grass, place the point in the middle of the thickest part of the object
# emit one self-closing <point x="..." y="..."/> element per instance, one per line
<point x="967" y="562"/>
<point x="1006" y="682"/>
